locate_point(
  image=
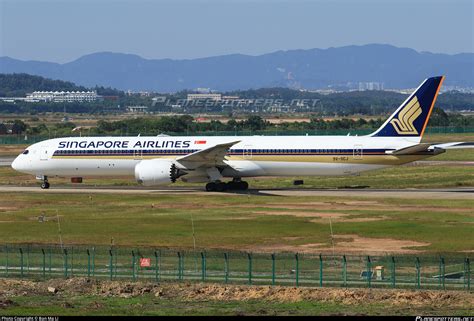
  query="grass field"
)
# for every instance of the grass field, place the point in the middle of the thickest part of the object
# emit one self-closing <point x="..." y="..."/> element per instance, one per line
<point x="241" y="222"/>
<point x="85" y="297"/>
<point x="148" y="305"/>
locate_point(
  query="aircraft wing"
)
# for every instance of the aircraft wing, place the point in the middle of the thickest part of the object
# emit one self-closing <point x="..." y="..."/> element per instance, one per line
<point x="436" y="148"/>
<point x="208" y="157"/>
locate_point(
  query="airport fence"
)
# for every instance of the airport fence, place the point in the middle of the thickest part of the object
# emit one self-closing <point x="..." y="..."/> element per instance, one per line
<point x="31" y="139"/>
<point x="43" y="262"/>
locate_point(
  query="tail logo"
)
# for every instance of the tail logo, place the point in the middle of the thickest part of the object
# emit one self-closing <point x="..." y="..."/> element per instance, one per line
<point x="403" y="124"/>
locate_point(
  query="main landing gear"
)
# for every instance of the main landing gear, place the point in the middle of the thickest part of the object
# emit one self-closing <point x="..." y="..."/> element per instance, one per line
<point x="235" y="185"/>
<point x="45" y="183"/>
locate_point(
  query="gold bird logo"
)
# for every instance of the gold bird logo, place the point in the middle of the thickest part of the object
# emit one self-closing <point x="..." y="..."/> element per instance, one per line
<point x="404" y="124"/>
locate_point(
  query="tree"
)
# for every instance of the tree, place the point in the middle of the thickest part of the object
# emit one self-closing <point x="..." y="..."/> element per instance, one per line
<point x="19" y="127"/>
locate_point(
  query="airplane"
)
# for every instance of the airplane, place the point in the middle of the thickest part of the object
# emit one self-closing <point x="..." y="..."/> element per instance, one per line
<point x="161" y="160"/>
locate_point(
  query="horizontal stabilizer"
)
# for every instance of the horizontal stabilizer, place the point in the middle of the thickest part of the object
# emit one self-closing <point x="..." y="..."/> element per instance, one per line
<point x="434" y="148"/>
<point x="410" y="149"/>
<point x="454" y="145"/>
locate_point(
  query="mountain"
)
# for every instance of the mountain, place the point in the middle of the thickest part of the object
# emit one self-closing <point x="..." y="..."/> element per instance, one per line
<point x="18" y="85"/>
<point x="309" y="69"/>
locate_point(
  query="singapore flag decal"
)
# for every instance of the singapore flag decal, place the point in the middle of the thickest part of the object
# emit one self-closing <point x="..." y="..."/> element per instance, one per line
<point x="198" y="142"/>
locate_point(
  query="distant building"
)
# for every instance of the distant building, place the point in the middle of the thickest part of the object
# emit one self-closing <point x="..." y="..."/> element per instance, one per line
<point x="63" y="96"/>
<point x="203" y="90"/>
<point x="216" y="97"/>
<point x="137" y="109"/>
<point x="370" y="85"/>
<point x="230" y="97"/>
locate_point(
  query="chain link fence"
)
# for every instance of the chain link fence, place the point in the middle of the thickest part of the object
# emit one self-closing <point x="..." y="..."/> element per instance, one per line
<point x="233" y="267"/>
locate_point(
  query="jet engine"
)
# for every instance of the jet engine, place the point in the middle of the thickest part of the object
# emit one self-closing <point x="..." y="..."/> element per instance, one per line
<point x="157" y="172"/>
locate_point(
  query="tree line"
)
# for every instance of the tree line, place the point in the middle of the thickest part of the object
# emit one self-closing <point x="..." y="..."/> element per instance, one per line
<point x="334" y="104"/>
<point x="186" y="124"/>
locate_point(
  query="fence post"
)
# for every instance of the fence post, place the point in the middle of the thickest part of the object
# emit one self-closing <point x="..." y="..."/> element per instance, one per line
<point x="344" y="270"/>
<point x="393" y="272"/>
<point x="250" y="267"/>
<point x="72" y="261"/>
<point x="44" y="263"/>
<point x="203" y="266"/>
<point x="179" y="266"/>
<point x="157" y="271"/>
<point x="93" y="261"/>
<point x="50" y="254"/>
<point x="21" y="261"/>
<point x="65" y="263"/>
<point x="88" y="263"/>
<point x="417" y="265"/>
<point x="441" y="272"/>
<point x="273" y="269"/>
<point x="226" y="267"/>
<point x="133" y="265"/>
<point x="6" y="263"/>
<point x="320" y="270"/>
<point x="297" y="270"/>
<point x="467" y="274"/>
<point x="28" y="259"/>
<point x="369" y="271"/>
<point x="115" y="263"/>
<point x="111" y="264"/>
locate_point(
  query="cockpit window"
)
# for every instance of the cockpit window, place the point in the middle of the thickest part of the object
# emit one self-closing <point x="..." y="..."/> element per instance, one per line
<point x="25" y="152"/>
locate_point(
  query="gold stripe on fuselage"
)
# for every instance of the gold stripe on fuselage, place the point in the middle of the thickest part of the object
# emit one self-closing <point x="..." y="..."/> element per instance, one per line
<point x="336" y="159"/>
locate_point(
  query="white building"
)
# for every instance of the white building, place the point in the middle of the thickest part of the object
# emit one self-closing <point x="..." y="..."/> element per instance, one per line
<point x="137" y="109"/>
<point x="216" y="97"/>
<point x="63" y="96"/>
<point x="373" y="85"/>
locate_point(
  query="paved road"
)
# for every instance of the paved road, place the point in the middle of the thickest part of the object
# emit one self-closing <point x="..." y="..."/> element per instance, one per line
<point x="6" y="161"/>
<point x="446" y="193"/>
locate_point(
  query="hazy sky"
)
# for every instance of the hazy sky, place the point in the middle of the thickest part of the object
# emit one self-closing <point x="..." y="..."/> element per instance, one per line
<point x="61" y="31"/>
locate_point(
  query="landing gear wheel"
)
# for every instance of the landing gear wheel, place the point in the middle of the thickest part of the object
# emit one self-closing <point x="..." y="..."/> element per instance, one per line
<point x="211" y="187"/>
<point x="243" y="186"/>
<point x="45" y="185"/>
<point x="237" y="185"/>
<point x="221" y="187"/>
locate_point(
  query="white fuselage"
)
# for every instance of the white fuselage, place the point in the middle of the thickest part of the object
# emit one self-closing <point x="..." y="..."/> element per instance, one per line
<point x="251" y="156"/>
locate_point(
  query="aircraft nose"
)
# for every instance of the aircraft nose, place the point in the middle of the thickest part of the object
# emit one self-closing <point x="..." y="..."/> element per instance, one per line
<point x="16" y="164"/>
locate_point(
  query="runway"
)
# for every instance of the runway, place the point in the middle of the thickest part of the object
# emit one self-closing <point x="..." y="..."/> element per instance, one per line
<point x="444" y="193"/>
<point x="6" y="161"/>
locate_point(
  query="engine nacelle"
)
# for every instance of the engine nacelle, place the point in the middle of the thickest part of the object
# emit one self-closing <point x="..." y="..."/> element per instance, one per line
<point x="156" y="172"/>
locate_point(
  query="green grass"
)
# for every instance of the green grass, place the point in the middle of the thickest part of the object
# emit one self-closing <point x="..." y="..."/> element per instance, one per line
<point x="466" y="155"/>
<point x="431" y="176"/>
<point x="148" y="305"/>
<point x="228" y="221"/>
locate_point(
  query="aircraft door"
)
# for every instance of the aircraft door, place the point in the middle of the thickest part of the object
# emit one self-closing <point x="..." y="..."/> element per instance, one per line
<point x="247" y="152"/>
<point x="137" y="154"/>
<point x="44" y="153"/>
<point x="358" y="152"/>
